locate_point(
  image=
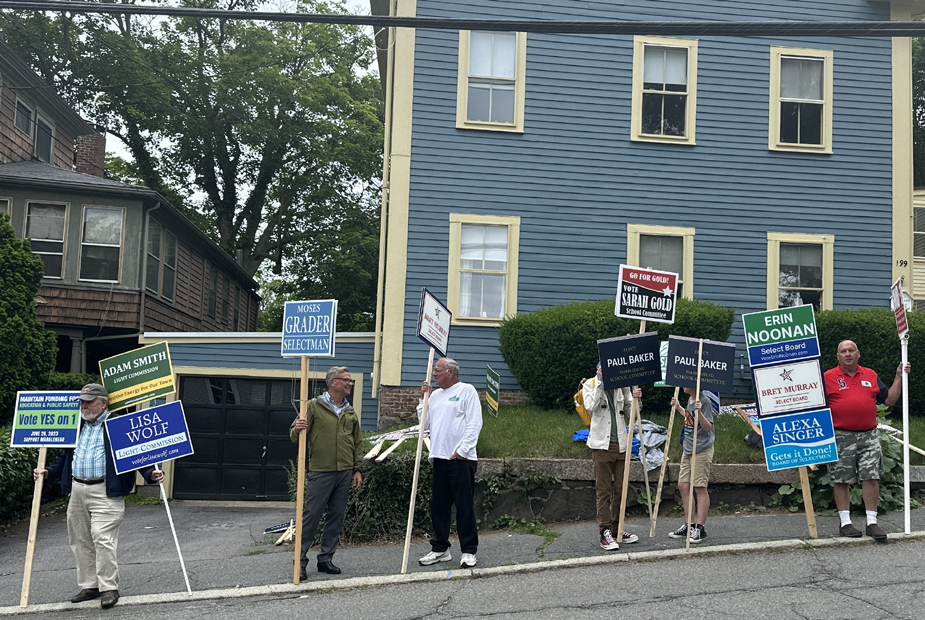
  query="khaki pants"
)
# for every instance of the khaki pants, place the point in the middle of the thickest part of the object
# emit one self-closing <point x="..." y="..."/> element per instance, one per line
<point x="93" y="521"/>
<point x="608" y="478"/>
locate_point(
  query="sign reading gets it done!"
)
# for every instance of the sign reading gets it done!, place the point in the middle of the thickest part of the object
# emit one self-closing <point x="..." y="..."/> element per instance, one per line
<point x="138" y="375"/>
<point x="646" y="294"/>
<point x="780" y="336"/>
<point x="308" y="328"/>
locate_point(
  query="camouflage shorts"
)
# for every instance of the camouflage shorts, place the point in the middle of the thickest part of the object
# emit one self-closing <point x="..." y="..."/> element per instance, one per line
<point x="858" y="456"/>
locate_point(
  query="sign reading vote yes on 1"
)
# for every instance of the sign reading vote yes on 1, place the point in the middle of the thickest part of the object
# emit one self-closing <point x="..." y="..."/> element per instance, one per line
<point x="308" y="328"/>
<point x="46" y="420"/>
<point x="799" y="439"/>
<point x="780" y="336"/>
<point x="646" y="294"/>
<point x="434" y="322"/>
<point x="789" y="387"/>
<point x="137" y="376"/>
<point x="148" y="436"/>
<point x="716" y="365"/>
<point x="492" y="390"/>
<point x="629" y="360"/>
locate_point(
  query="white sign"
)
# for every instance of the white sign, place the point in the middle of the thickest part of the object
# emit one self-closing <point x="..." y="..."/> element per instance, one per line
<point x="899" y="308"/>
<point x="434" y="322"/>
<point x="797" y="386"/>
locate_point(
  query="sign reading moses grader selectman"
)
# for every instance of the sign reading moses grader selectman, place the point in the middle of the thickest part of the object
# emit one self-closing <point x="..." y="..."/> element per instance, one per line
<point x="780" y="336"/>
<point x="716" y="365"/>
<point x="148" y="436"/>
<point x="137" y="376"/>
<point x="646" y="294"/>
<point x="308" y="328"/>
<point x="629" y="360"/>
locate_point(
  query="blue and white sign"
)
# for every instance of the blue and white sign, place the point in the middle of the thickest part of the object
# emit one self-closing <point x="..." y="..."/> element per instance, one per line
<point x="799" y="439"/>
<point x="781" y="336"/>
<point x="46" y="420"/>
<point x="148" y="436"/>
<point x="308" y="328"/>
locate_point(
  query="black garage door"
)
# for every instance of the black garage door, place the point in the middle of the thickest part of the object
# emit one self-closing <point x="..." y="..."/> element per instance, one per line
<point x="240" y="433"/>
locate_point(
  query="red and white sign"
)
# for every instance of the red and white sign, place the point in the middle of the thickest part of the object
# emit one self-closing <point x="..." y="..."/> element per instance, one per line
<point x="434" y="322"/>
<point x="899" y="308"/>
<point x="646" y="294"/>
<point x="785" y="388"/>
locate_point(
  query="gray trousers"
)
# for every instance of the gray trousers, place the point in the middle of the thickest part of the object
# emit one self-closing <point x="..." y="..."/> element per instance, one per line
<point x="93" y="521"/>
<point x="327" y="491"/>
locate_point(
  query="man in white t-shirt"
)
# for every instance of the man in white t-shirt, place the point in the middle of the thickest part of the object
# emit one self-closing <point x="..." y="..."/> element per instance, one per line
<point x="454" y="419"/>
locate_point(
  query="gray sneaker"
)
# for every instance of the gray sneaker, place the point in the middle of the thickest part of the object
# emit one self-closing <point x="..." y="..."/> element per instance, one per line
<point x="433" y="557"/>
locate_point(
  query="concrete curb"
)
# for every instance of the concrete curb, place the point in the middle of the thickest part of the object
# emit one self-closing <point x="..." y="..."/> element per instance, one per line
<point x="333" y="585"/>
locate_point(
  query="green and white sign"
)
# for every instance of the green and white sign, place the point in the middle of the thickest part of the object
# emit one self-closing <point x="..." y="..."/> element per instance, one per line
<point x="137" y="376"/>
<point x="492" y="390"/>
<point x="663" y="354"/>
<point x="781" y="336"/>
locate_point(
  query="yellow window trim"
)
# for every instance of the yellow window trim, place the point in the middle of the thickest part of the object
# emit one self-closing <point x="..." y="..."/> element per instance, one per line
<point x="633" y="231"/>
<point x="828" y="261"/>
<point x="513" y="250"/>
<point x="690" y="122"/>
<point x="462" y="88"/>
<point x="774" y="142"/>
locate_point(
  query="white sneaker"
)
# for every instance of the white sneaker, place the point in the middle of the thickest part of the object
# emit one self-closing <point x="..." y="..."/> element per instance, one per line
<point x="433" y="557"/>
<point x="467" y="560"/>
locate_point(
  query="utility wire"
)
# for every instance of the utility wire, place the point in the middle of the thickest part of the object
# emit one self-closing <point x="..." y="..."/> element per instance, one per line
<point x="612" y="27"/>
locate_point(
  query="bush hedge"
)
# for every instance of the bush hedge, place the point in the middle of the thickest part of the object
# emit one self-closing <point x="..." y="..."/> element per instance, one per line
<point x="65" y="381"/>
<point x="16" y="485"/>
<point x="874" y="331"/>
<point x="550" y="350"/>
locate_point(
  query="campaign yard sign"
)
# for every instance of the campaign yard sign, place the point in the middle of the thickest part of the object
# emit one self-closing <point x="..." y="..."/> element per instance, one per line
<point x="148" y="436"/>
<point x="663" y="355"/>
<point x="629" y="360"/>
<point x="789" y="387"/>
<point x="46" y="420"/>
<point x="646" y="294"/>
<point x="716" y="365"/>
<point x="492" y="390"/>
<point x="308" y="328"/>
<point x="434" y="322"/>
<point x="137" y="376"/>
<point x="899" y="308"/>
<point x="780" y="336"/>
<point x="799" y="439"/>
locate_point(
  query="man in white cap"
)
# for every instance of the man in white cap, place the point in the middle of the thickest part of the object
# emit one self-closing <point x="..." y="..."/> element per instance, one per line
<point x="97" y="504"/>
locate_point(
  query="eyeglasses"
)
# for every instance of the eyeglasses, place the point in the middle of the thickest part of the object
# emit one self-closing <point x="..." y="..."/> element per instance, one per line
<point x="345" y="380"/>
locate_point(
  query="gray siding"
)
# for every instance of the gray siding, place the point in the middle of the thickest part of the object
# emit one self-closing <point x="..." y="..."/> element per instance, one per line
<point x="575" y="178"/>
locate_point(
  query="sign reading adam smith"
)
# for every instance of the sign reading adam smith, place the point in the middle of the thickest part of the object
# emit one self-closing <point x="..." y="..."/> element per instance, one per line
<point x="138" y="375"/>
<point x="646" y="294"/>
<point x="308" y="328"/>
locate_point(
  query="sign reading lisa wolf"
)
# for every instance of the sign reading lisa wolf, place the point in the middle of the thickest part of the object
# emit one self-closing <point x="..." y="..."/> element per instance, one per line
<point x="46" y="420"/>
<point x="492" y="390"/>
<point x="646" y="294"/>
<point x="789" y="387"/>
<point x="799" y="439"/>
<point x="434" y="322"/>
<point x="716" y="364"/>
<point x="780" y="336"/>
<point x="137" y="376"/>
<point x="629" y="360"/>
<point x="148" y="436"/>
<point x="308" y="328"/>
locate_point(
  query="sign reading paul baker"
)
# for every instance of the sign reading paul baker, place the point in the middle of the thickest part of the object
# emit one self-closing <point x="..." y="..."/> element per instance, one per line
<point x="308" y="328"/>
<point x="137" y="376"/>
<point x="646" y="294"/>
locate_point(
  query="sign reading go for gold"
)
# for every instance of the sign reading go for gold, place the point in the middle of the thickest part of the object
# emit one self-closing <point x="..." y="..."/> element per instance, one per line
<point x="137" y="376"/>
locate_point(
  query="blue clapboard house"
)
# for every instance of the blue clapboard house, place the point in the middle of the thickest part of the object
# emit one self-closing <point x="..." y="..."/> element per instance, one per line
<point x="524" y="168"/>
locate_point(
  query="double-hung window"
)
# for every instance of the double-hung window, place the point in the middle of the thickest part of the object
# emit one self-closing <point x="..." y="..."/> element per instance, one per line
<point x="45" y="226"/>
<point x="44" y="139"/>
<point x="101" y="244"/>
<point x="663" y="248"/>
<point x="801" y="100"/>
<point x="664" y="90"/>
<point x="492" y="75"/>
<point x="23" y="118"/>
<point x="161" y="276"/>
<point x="800" y="270"/>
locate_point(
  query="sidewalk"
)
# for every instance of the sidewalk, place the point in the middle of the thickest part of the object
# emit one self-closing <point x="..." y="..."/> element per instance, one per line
<point x="224" y="548"/>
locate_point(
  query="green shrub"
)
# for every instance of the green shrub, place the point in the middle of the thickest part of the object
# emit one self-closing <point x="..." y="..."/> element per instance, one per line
<point x="66" y="381"/>
<point x="16" y="485"/>
<point x="550" y="350"/>
<point x="874" y="331"/>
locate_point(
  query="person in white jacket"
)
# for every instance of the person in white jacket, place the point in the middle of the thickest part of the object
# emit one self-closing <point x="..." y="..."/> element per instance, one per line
<point x="608" y="440"/>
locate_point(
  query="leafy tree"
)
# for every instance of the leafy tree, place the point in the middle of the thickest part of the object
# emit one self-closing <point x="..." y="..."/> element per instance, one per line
<point x="269" y="131"/>
<point x="27" y="349"/>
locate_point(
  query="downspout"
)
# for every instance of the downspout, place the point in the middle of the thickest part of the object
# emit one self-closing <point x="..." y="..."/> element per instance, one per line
<point x="143" y="274"/>
<point x="384" y="215"/>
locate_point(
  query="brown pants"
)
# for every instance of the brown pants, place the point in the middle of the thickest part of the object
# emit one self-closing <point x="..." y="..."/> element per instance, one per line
<point x="608" y="477"/>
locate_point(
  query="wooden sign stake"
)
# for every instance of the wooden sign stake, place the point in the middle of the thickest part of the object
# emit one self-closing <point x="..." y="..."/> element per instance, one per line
<point x="417" y="466"/>
<point x="33" y="529"/>
<point x="661" y="477"/>
<point x="690" y="495"/>
<point x="300" y="483"/>
<point x="808" y="502"/>
<point x="618" y="535"/>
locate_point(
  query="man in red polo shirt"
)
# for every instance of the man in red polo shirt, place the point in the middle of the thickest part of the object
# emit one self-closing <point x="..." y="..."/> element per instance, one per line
<point x="853" y="392"/>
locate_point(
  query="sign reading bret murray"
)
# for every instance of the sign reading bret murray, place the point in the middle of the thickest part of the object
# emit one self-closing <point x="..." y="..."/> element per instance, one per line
<point x="646" y="294"/>
<point x="630" y="360"/>
<point x="716" y="365"/>
<point x="148" y="436"/>
<point x="434" y="322"/>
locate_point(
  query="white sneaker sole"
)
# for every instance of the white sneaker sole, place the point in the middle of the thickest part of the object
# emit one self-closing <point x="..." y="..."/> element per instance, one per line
<point x="436" y="560"/>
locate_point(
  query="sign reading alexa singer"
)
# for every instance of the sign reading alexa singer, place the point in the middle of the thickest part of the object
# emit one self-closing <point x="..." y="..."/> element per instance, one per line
<point x="799" y="439"/>
<point x="630" y="360"/>
<point x="716" y="364"/>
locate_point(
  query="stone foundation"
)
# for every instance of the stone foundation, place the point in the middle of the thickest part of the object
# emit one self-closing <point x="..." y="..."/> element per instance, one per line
<point x="398" y="404"/>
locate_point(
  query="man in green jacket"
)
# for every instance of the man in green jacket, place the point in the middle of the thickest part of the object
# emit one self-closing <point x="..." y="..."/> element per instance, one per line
<point x="334" y="456"/>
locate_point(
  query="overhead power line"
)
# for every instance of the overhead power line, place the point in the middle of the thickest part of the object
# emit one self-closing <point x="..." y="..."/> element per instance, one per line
<point x="612" y="27"/>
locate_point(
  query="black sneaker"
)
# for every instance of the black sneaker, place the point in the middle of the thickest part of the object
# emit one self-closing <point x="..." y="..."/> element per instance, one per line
<point x="697" y="534"/>
<point x="681" y="532"/>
